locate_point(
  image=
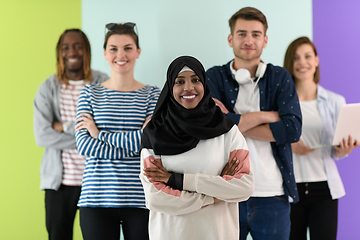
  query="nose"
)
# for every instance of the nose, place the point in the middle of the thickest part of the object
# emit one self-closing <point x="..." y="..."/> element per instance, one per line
<point x="248" y="40"/>
<point x="188" y="86"/>
<point x="72" y="51"/>
<point x="120" y="53"/>
<point x="301" y="60"/>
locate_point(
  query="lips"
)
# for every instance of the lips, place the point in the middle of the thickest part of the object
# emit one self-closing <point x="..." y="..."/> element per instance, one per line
<point x="248" y="49"/>
<point x="189" y="97"/>
<point x="302" y="70"/>
<point x="121" y="63"/>
<point x="72" y="60"/>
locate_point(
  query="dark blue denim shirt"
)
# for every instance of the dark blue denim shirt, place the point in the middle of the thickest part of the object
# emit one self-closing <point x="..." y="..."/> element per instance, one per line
<point x="277" y="93"/>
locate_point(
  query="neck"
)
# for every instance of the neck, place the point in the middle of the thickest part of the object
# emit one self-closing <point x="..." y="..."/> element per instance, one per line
<point x="306" y="90"/>
<point x="122" y="82"/>
<point x="72" y="75"/>
<point x="251" y="65"/>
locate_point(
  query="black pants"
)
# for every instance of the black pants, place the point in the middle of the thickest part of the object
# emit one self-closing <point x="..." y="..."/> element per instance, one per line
<point x="315" y="210"/>
<point x="60" y="210"/>
<point x="104" y="223"/>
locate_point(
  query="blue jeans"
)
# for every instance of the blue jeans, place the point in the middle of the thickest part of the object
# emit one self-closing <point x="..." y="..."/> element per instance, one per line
<point x="266" y="218"/>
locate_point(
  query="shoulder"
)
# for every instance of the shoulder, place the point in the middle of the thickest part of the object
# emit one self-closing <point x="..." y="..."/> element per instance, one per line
<point x="151" y="88"/>
<point x="151" y="91"/>
<point x="276" y="72"/>
<point x="49" y="85"/>
<point x="223" y="69"/>
<point x="330" y="96"/>
<point x="234" y="132"/>
<point x="92" y="88"/>
<point x="277" y="77"/>
<point x="98" y="77"/>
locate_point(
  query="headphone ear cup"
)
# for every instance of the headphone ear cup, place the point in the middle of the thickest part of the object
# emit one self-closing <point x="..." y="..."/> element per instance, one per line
<point x="260" y="71"/>
<point x="242" y="76"/>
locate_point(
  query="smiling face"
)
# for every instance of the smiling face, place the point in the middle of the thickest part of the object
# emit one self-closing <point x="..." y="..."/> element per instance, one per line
<point x="121" y="53"/>
<point x="188" y="90"/>
<point x="248" y="40"/>
<point x="72" y="52"/>
<point x="305" y="63"/>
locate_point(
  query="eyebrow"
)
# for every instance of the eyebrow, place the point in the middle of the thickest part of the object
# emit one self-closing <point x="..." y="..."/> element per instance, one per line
<point x="244" y="31"/>
<point x="127" y="45"/>
<point x="184" y="77"/>
<point x="77" y="43"/>
<point x="304" y="53"/>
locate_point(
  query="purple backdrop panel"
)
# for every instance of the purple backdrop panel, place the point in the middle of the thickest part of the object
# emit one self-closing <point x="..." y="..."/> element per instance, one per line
<point x="337" y="38"/>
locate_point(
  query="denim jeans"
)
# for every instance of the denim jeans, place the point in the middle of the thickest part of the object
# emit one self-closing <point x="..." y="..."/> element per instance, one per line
<point x="265" y="218"/>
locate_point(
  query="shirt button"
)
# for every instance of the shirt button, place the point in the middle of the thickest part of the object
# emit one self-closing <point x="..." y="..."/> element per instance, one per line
<point x="306" y="192"/>
<point x="232" y="101"/>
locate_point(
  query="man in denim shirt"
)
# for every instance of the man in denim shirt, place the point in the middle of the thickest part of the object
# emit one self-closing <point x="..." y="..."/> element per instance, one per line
<point x="261" y="99"/>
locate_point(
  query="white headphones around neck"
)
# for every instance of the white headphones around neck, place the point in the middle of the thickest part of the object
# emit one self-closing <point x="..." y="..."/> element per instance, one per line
<point x="243" y="76"/>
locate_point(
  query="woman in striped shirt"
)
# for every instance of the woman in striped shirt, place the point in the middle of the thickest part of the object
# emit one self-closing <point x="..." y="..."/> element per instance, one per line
<point x="110" y="119"/>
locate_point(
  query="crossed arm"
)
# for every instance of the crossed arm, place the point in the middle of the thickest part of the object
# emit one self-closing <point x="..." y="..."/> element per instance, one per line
<point x="255" y="124"/>
<point x="159" y="173"/>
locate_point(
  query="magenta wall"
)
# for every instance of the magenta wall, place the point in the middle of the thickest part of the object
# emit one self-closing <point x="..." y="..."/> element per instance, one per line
<point x="337" y="38"/>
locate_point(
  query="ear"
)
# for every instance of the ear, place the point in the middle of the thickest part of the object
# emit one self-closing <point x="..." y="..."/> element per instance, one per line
<point x="230" y="37"/>
<point x="317" y="60"/>
<point x="105" y="54"/>
<point x="139" y="51"/>
<point x="265" y="41"/>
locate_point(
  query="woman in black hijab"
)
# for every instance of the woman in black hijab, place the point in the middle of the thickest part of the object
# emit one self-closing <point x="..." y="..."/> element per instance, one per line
<point x="191" y="188"/>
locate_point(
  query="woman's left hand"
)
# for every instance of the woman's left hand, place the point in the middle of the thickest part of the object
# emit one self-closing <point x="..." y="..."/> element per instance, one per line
<point x="86" y="122"/>
<point x="345" y="147"/>
<point x="158" y="173"/>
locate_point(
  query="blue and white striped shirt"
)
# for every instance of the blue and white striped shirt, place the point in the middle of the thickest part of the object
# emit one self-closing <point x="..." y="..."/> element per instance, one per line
<point x="111" y="177"/>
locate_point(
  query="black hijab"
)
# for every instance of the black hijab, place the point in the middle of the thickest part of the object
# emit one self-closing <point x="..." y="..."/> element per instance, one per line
<point x="174" y="129"/>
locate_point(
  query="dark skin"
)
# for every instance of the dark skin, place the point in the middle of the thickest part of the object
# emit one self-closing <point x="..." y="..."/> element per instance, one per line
<point x="72" y="54"/>
<point x="185" y="81"/>
<point x="159" y="173"/>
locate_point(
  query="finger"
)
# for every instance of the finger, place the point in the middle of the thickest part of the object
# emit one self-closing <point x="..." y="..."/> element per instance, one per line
<point x="227" y="167"/>
<point x="152" y="170"/>
<point x="81" y="119"/>
<point x="158" y="164"/>
<point x="341" y="144"/>
<point x="79" y="126"/>
<point x="337" y="148"/>
<point x="345" y="142"/>
<point x="86" y="115"/>
<point x="350" y="142"/>
<point x="233" y="173"/>
<point x="234" y="163"/>
<point x="152" y="175"/>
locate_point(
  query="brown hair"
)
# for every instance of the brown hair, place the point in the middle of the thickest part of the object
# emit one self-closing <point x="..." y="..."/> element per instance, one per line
<point x="60" y="66"/>
<point x="119" y="29"/>
<point x="290" y="55"/>
<point x="248" y="13"/>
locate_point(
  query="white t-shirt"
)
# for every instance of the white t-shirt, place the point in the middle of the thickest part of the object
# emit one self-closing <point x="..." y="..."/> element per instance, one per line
<point x="267" y="175"/>
<point x="310" y="168"/>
